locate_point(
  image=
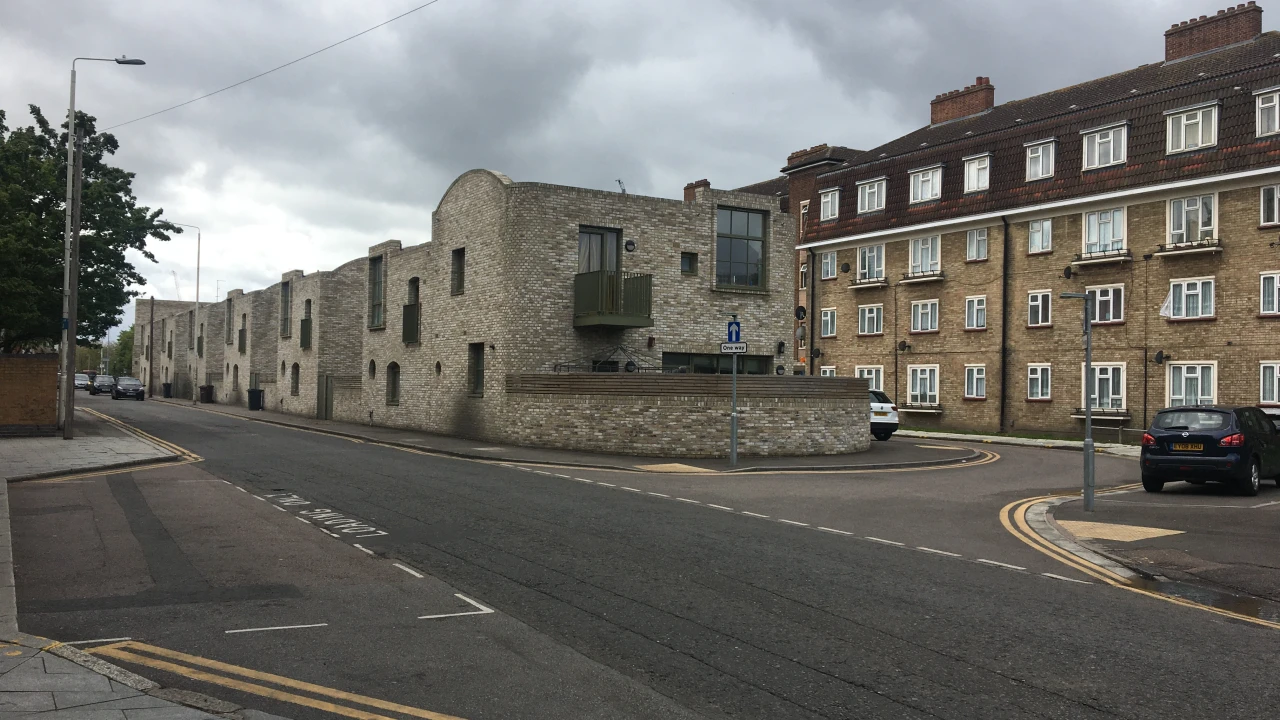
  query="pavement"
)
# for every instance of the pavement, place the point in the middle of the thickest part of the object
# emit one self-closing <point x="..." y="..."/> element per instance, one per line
<point x="97" y="445"/>
<point x="1117" y="449"/>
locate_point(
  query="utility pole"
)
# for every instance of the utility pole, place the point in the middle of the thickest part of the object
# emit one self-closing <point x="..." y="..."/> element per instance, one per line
<point x="1089" y="478"/>
<point x="733" y="413"/>
<point x="72" y="277"/>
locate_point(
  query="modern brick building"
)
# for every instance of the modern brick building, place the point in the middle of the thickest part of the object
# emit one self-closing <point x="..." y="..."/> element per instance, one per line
<point x="935" y="261"/>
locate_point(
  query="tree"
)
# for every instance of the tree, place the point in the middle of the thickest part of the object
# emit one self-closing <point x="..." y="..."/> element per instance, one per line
<point x="33" y="175"/>
<point x="122" y="355"/>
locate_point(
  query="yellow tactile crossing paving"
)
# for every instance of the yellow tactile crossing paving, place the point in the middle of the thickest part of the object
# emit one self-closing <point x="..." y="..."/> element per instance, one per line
<point x="1113" y="531"/>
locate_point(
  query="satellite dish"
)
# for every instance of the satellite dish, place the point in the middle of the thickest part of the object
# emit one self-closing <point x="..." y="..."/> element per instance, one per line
<point x="902" y="345"/>
<point x="631" y="366"/>
<point x="1066" y="272"/>
<point x="1160" y="357"/>
<point x="844" y="268"/>
<point x="801" y="313"/>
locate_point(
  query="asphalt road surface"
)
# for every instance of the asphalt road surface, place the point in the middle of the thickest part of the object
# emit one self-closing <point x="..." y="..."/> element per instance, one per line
<point x="623" y="594"/>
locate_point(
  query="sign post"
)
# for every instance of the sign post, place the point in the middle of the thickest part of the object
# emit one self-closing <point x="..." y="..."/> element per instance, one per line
<point x="734" y="347"/>
<point x="1090" y="385"/>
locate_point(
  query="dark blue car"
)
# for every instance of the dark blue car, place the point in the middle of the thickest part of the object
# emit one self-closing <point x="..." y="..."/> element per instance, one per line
<point x="1238" y="446"/>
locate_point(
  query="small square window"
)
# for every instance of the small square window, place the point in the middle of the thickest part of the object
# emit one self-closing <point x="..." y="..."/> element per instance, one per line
<point x="975" y="382"/>
<point x="871" y="195"/>
<point x="926" y="185"/>
<point x="830" y="205"/>
<point x="976" y="245"/>
<point x="1104" y="147"/>
<point x="1189" y="299"/>
<point x="828" y="265"/>
<point x="1040" y="236"/>
<point x="1040" y="161"/>
<point x="975" y="313"/>
<point x="827" y="371"/>
<point x="1193" y="129"/>
<point x="977" y="174"/>
<point x="1268" y="117"/>
<point x="689" y="263"/>
<point x="1038" y="382"/>
<point x="828" y="322"/>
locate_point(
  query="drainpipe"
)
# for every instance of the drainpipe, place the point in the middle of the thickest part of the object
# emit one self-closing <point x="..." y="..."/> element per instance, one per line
<point x="813" y="307"/>
<point x="1004" y="326"/>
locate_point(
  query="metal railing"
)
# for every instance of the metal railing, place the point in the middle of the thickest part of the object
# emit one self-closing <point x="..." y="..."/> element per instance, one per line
<point x="613" y="293"/>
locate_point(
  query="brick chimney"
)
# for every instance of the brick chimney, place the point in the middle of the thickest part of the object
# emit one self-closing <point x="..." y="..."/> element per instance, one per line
<point x="691" y="190"/>
<point x="800" y="156"/>
<point x="1233" y="25"/>
<point x="979" y="96"/>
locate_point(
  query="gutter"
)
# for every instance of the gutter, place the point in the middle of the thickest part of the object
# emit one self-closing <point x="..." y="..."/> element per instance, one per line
<point x="1004" y="325"/>
<point x="813" y="302"/>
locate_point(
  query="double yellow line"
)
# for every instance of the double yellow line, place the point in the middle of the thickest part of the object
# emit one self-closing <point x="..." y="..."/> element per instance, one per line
<point x="178" y="450"/>
<point x="1014" y="518"/>
<point x="267" y="685"/>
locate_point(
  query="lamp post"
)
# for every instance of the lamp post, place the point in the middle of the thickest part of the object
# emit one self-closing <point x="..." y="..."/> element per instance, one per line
<point x="71" y="257"/>
<point x="1088" y="397"/>
<point x="196" y="321"/>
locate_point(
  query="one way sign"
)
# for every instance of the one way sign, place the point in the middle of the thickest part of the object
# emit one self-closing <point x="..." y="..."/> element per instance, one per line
<point x="735" y="332"/>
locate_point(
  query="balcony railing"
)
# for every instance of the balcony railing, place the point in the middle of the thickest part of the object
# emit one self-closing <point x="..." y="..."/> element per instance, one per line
<point x="1099" y="257"/>
<point x="922" y="276"/>
<point x="612" y="298"/>
<point x="409" y="324"/>
<point x="1206" y="245"/>
<point x="304" y="331"/>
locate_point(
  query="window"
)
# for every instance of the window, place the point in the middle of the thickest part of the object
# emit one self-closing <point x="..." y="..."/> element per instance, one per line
<point x="804" y="216"/>
<point x="804" y="275"/>
<point x="1270" y="385"/>
<point x="689" y="263"/>
<point x="977" y="174"/>
<point x="871" y="262"/>
<point x="828" y="265"/>
<point x="740" y="248"/>
<point x="458" y="269"/>
<point x="294" y="378"/>
<point x="924" y="316"/>
<point x="976" y="245"/>
<point x="1039" y="308"/>
<point x="1193" y="129"/>
<point x="230" y="313"/>
<point x="926" y="185"/>
<point x="975" y="312"/>
<point x="475" y="368"/>
<point x="827" y="371"/>
<point x="306" y="308"/>
<point x="1268" y="121"/>
<point x="1106" y="303"/>
<point x="286" y="304"/>
<point x="975" y="382"/>
<point x="830" y="205"/>
<point x="871" y="195"/>
<point x="393" y="384"/>
<point x="873" y="374"/>
<point x="1191" y="220"/>
<point x="597" y="250"/>
<point x="804" y="336"/>
<point x="828" y="322"/>
<point x="1191" y="384"/>
<point x="373" y="370"/>
<point x="1106" y="386"/>
<point x="377" y="294"/>
<point x="1038" y="377"/>
<point x="1104" y="147"/>
<point x="191" y="329"/>
<point x="1040" y="236"/>
<point x="925" y="255"/>
<point x="1040" y="161"/>
<point x="1270" y="294"/>
<point x="1190" y="298"/>
<point x="1271" y="205"/>
<point x="235" y="377"/>
<point x="411" y="294"/>
<point x="871" y="320"/>
<point x="1104" y="231"/>
<point x="923" y="388"/>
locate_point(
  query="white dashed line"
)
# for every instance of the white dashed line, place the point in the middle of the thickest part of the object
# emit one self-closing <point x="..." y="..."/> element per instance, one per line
<point x="330" y="533"/>
<point x="659" y="494"/>
<point x="278" y="627"/>
<point x="744" y="512"/>
<point x="584" y="480"/>
<point x="793" y="522"/>
<point x="938" y="552"/>
<point x="605" y="484"/>
<point x="886" y="542"/>
<point x="999" y="564"/>
<point x="833" y="530"/>
<point x="1059" y="577"/>
<point x="260" y="498"/>
<point x="695" y="502"/>
<point x="100" y="640"/>
<point x="295" y="517"/>
<point x="542" y="472"/>
<point x="279" y="508"/>
<point x="362" y="548"/>
<point x="566" y="477"/>
<point x="225" y="481"/>
<point x="720" y="507"/>
<point x="624" y="487"/>
<point x="409" y="570"/>
<point x="241" y="489"/>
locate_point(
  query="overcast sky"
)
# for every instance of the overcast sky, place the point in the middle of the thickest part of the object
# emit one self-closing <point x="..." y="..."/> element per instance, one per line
<point x="309" y="166"/>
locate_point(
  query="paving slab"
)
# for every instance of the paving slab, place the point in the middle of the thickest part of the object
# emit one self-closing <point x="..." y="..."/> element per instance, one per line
<point x="98" y="444"/>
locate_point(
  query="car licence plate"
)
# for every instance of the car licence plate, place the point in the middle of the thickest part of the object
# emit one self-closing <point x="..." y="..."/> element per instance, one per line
<point x="880" y="414"/>
<point x="1188" y="446"/>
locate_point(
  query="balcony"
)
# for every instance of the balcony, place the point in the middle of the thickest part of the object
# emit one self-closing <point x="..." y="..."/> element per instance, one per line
<point x="1103" y="257"/>
<point x="304" y="327"/>
<point x="921" y="276"/>
<point x="1206" y="245"/>
<point x="612" y="298"/>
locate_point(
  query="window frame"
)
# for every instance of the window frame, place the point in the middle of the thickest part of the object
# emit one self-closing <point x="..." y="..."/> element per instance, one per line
<point x="392" y="383"/>
<point x="979" y="165"/>
<point x="866" y="311"/>
<point x="1274" y="276"/>
<point x="875" y="380"/>
<point x="1123" y="367"/>
<point x="975" y="304"/>
<point x="827" y="316"/>
<point x="933" y="177"/>
<point x="693" y="263"/>
<point x="1095" y="291"/>
<point x="1045" y="309"/>
<point x="295" y="379"/>
<point x="1038" y="147"/>
<point x="475" y="369"/>
<point x="1044" y="248"/>
<point x="1274" y="205"/>
<point x="1173" y="216"/>
<point x="1199" y="366"/>
<point x="1096" y="134"/>
<point x="761" y="266"/>
<point x="1269" y="368"/>
<point x="835" y="264"/>
<point x="804" y="276"/>
<point x="914" y="397"/>
<point x="865" y="273"/>
<point x="972" y="239"/>
<point x="1181" y="115"/>
<point x="871" y="195"/>
<point x="1043" y="373"/>
<point x="1259" y="97"/>
<point x="978" y="373"/>
<point x="916" y="259"/>
<point x="933" y="313"/>
<point x="377" y="304"/>
<point x="826" y="371"/>
<point x="286" y="309"/>
<point x="1199" y="294"/>
<point x="1111" y="223"/>
<point x="458" y="271"/>
<point x="828" y="204"/>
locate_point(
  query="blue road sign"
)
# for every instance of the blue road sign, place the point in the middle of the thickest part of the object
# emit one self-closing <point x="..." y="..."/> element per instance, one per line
<point x="735" y="332"/>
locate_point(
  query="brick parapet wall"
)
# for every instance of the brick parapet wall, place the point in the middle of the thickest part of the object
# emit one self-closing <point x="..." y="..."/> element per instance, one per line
<point x="28" y="394"/>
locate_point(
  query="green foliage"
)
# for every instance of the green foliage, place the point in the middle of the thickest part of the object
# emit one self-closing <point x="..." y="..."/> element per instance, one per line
<point x="33" y="175"/>
<point x="122" y="355"/>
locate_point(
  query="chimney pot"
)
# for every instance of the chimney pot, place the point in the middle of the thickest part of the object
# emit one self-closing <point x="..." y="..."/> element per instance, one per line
<point x="970" y="100"/>
<point x="1229" y="26"/>
<point x="691" y="190"/>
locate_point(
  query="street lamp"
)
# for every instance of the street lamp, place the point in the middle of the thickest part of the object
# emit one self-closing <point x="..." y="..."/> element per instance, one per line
<point x="1088" y="397"/>
<point x="196" y="321"/>
<point x="70" y="257"/>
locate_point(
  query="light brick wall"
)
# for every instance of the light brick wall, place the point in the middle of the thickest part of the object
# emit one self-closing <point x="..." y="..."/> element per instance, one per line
<point x="28" y="394"/>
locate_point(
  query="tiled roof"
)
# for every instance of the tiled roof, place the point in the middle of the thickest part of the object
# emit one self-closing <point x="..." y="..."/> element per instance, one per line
<point x="777" y="186"/>
<point x="832" y="154"/>
<point x="1139" y="97"/>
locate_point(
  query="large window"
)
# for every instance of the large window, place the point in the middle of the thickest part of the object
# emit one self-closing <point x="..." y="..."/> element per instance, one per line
<point x="975" y="382"/>
<point x="1104" y="231"/>
<point x="828" y="322"/>
<point x="1268" y="120"/>
<point x="1039" y="307"/>
<point x="871" y="195"/>
<point x="1104" y="147"/>
<point x="740" y="248"/>
<point x="475" y="368"/>
<point x="393" y="384"/>
<point x="976" y="245"/>
<point x="926" y="184"/>
<point x="926" y="255"/>
<point x="1271" y="205"/>
<point x="1106" y="302"/>
<point x="1191" y="298"/>
<point x="1191" y="384"/>
<point x="975" y="312"/>
<point x="828" y="265"/>
<point x="458" y="271"/>
<point x="873" y="374"/>
<point x="977" y="173"/>
<point x="1040" y="236"/>
<point x="597" y="249"/>
<point x="1270" y="383"/>
<point x="1106" y="386"/>
<point x="829" y="207"/>
<point x="871" y="319"/>
<point x="924" y="316"/>
<point x="286" y="306"/>
<point x="377" y="294"/>
<point x="1191" y="220"/>
<point x="871" y="262"/>
<point x="1038" y="382"/>
<point x="1040" y="161"/>
<point x="1270" y="299"/>
<point x="923" y="384"/>
<point x="1193" y="129"/>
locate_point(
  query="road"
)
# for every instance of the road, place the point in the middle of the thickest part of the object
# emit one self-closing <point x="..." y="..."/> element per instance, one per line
<point x="628" y="594"/>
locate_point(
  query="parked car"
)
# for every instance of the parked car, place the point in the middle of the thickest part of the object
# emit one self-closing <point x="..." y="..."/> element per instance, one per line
<point x="83" y="382"/>
<point x="101" y="384"/>
<point x="1238" y="446"/>
<point x="884" y="416"/>
<point x="127" y="387"/>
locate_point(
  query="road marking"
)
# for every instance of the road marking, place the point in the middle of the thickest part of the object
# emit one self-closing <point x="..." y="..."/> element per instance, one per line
<point x="241" y="489"/>
<point x="744" y="512"/>
<point x="695" y="502"/>
<point x="624" y="487"/>
<point x="600" y="482"/>
<point x="227" y="482"/>
<point x="658" y="494"/>
<point x="1265" y="504"/>
<point x="938" y="552"/>
<point x="984" y="561"/>
<point x="482" y="610"/>
<point x="277" y="627"/>
<point x="720" y="507"/>
<point x="566" y="477"/>
<point x="362" y="548"/>
<point x="280" y="508"/>
<point x="103" y="640"/>
<point x="882" y="540"/>
<point x="1060" y="577"/>
<point x="260" y="498"/>
<point x="330" y="532"/>
<point x="409" y="570"/>
<point x="542" y="472"/>
<point x="833" y="530"/>
<point x="584" y="480"/>
<point x="1114" y="532"/>
<point x="793" y="522"/>
<point x="295" y="517"/>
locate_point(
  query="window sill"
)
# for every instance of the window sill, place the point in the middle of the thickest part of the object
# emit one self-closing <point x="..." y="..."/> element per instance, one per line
<point x="974" y="399"/>
<point x="376" y="327"/>
<point x="1039" y="179"/>
<point x="975" y="261"/>
<point x="922" y="332"/>
<point x="1268" y="316"/>
<point x="454" y="293"/>
<point x="1191" y="151"/>
<point x="1040" y="327"/>
<point x="826" y="337"/>
<point x="875" y="283"/>
<point x="1087" y="170"/>
<point x="824" y="279"/>
<point x="740" y="290"/>
<point x="393" y="404"/>
<point x="924" y="409"/>
<point x="879" y="334"/>
<point x="691" y="274"/>
<point x="981" y="329"/>
<point x="475" y="394"/>
<point x="931" y="276"/>
<point x="1209" y="318"/>
<point x="1109" y="323"/>
<point x="1039" y="400"/>
<point x="876" y="211"/>
<point x="285" y="337"/>
<point x="975" y="191"/>
<point x="1037" y="253"/>
<point x="1269" y="226"/>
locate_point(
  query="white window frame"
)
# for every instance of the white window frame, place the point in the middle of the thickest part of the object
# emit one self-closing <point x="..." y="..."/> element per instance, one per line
<point x="829" y="269"/>
<point x="926" y="184"/>
<point x="1111" y="367"/>
<point x="1113" y="138"/>
<point x="1043" y="374"/>
<point x="804" y="276"/>
<point x="1204" y="116"/>
<point x="1042" y="300"/>
<point x="975" y="245"/>
<point x="931" y="314"/>
<point x="1100" y="219"/>
<point x="977" y="173"/>
<point x="916" y="398"/>
<point x="1045" y="244"/>
<point x="978" y="375"/>
<point x="868" y="270"/>
<point x="827" y="371"/>
<point x="874" y="375"/>
<point x="1267" y="101"/>
<point x="830" y="204"/>
<point x="1182" y="290"/>
<point x="1269" y="205"/>
<point x="1096" y="292"/>
<point x="973" y="306"/>
<point x="919" y="256"/>
<point x="1269" y="369"/>
<point x="866" y="312"/>
<point x="871" y="195"/>
<point x="1184" y="368"/>
<point x="1274" y="277"/>
<point x="828" y="321"/>
<point x="1041" y="153"/>
<point x="1183" y="209"/>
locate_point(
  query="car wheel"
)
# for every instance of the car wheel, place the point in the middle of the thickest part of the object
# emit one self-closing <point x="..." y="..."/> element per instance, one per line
<point x="882" y="435"/>
<point x="1249" y="484"/>
<point x="1152" y="485"/>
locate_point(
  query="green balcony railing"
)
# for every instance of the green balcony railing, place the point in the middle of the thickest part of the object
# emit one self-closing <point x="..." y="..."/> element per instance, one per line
<point x="612" y="298"/>
<point x="304" y="327"/>
<point x="409" y="324"/>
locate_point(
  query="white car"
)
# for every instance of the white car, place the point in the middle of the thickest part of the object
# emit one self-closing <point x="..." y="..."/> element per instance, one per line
<point x="884" y="416"/>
